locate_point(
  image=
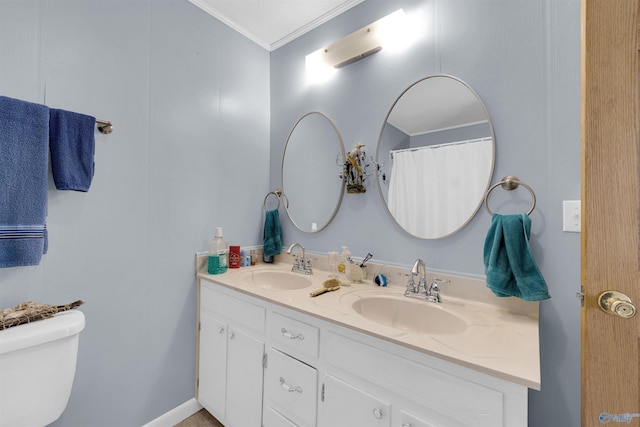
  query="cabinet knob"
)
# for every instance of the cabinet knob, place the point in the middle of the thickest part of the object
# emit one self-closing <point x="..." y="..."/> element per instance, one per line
<point x="291" y="336"/>
<point x="231" y="335"/>
<point x="220" y="329"/>
<point x="377" y="413"/>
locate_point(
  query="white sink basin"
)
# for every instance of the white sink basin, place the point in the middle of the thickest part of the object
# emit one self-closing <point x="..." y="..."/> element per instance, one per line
<point x="409" y="315"/>
<point x="275" y="280"/>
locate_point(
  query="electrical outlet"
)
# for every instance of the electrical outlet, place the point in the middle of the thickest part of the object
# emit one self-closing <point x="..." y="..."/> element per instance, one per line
<point x="571" y="216"/>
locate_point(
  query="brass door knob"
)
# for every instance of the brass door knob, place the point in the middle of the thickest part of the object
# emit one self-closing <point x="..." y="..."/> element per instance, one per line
<point x="617" y="304"/>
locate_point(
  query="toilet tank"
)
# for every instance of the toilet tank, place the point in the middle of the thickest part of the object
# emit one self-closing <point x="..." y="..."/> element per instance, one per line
<point x="37" y="367"/>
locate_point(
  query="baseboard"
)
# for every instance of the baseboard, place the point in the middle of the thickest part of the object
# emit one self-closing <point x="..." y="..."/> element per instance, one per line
<point x="176" y="415"/>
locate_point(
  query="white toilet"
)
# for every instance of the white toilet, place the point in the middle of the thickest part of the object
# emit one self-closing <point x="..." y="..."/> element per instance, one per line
<point x="37" y="366"/>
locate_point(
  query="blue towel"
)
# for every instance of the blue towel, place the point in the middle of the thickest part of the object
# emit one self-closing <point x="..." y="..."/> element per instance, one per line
<point x="24" y="134"/>
<point x="509" y="264"/>
<point x="72" y="145"/>
<point x="272" y="238"/>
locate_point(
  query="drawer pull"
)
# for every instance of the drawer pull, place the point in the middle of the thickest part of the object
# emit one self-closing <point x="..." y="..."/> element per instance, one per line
<point x="377" y="413"/>
<point x="407" y="425"/>
<point x="291" y="336"/>
<point x="289" y="388"/>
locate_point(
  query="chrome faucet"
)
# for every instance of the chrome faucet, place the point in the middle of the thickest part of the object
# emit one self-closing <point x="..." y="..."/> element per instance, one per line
<point x="419" y="269"/>
<point x="431" y="293"/>
<point x="300" y="264"/>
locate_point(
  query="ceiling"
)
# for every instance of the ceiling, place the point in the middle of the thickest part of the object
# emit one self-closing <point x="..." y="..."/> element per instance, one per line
<point x="274" y="23"/>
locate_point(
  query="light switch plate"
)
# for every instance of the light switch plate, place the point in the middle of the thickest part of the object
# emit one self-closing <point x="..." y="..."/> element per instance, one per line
<point x="571" y="215"/>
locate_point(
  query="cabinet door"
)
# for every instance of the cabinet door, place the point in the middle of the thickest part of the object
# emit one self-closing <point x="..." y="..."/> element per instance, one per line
<point x="244" y="379"/>
<point x="212" y="378"/>
<point x="345" y="405"/>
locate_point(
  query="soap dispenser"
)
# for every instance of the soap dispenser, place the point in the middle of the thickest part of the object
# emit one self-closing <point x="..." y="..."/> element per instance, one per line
<point x="345" y="261"/>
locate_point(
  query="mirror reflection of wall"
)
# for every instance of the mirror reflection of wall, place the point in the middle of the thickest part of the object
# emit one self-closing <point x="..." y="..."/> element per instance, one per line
<point x="310" y="172"/>
<point x="436" y="152"/>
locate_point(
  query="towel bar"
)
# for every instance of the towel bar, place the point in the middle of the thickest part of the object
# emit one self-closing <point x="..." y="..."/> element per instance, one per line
<point x="104" y="126"/>
<point x="510" y="183"/>
<point x="278" y="193"/>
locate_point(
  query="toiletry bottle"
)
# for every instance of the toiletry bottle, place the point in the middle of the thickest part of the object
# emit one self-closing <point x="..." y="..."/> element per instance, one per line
<point x="345" y="260"/>
<point x="234" y="256"/>
<point x="218" y="254"/>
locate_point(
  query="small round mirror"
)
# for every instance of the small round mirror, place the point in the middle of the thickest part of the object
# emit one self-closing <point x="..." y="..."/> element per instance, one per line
<point x="435" y="157"/>
<point x="311" y="163"/>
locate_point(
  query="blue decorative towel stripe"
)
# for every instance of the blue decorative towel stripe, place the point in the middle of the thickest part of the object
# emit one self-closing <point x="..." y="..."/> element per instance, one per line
<point x="24" y="136"/>
<point x="272" y="238"/>
<point x="72" y="145"/>
<point x="509" y="264"/>
<point x="22" y="231"/>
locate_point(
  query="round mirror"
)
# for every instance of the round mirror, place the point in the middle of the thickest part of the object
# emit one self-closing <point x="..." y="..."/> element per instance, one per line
<point x="435" y="157"/>
<point x="310" y="172"/>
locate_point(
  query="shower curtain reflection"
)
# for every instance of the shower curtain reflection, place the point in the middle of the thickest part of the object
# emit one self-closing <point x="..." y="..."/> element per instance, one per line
<point x="459" y="171"/>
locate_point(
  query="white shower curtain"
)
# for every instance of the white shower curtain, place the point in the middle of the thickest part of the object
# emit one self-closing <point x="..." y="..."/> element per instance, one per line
<point x="434" y="190"/>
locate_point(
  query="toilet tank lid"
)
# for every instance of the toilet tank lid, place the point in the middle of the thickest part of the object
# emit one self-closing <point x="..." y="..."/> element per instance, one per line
<point x="31" y="334"/>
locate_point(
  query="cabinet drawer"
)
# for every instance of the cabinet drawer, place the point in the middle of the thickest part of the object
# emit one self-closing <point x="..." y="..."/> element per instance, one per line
<point x="294" y="337"/>
<point x="237" y="310"/>
<point x="273" y="418"/>
<point x="291" y="387"/>
<point x="408" y="419"/>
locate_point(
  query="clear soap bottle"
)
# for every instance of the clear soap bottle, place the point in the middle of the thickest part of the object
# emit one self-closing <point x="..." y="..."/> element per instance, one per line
<point x="218" y="254"/>
<point x="345" y="260"/>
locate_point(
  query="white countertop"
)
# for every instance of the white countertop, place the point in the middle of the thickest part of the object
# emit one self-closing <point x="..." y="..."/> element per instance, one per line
<point x="501" y="338"/>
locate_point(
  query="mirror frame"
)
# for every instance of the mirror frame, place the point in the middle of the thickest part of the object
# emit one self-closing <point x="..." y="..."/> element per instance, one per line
<point x="339" y="181"/>
<point x="493" y="158"/>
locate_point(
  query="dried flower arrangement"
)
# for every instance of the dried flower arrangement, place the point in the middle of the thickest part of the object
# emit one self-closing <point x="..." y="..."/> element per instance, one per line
<point x="31" y="311"/>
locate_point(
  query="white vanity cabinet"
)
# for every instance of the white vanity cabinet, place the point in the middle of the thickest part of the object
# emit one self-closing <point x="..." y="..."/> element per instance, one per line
<point x="231" y="350"/>
<point x="369" y="386"/>
<point x="264" y="362"/>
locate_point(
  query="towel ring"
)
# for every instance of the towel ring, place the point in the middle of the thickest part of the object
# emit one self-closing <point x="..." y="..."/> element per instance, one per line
<point x="510" y="183"/>
<point x="278" y="193"/>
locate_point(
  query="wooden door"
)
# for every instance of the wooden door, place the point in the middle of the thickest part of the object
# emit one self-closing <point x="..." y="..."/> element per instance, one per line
<point x="611" y="209"/>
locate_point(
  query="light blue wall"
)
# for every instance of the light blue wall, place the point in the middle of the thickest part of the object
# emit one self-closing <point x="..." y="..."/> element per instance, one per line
<point x="523" y="59"/>
<point x="193" y="103"/>
<point x="189" y="99"/>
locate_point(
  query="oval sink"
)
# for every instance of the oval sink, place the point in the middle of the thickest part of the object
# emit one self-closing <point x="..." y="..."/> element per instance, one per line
<point x="276" y="280"/>
<point x="409" y="315"/>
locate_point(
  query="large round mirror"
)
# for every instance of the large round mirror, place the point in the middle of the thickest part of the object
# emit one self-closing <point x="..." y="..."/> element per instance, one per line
<point x="310" y="172"/>
<point x="435" y="157"/>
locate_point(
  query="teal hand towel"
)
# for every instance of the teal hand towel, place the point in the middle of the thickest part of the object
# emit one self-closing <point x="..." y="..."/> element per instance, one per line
<point x="510" y="267"/>
<point x="272" y="238"/>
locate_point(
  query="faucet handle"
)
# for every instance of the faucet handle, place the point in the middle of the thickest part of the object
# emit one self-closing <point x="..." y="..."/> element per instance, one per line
<point x="436" y="280"/>
<point x="411" y="285"/>
<point x="434" y="288"/>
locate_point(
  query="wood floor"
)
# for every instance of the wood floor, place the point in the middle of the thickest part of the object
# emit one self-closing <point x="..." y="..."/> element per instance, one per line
<point x="200" y="419"/>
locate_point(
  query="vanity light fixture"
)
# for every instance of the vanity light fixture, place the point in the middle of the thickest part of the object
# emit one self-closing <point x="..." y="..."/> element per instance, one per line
<point x="390" y="30"/>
